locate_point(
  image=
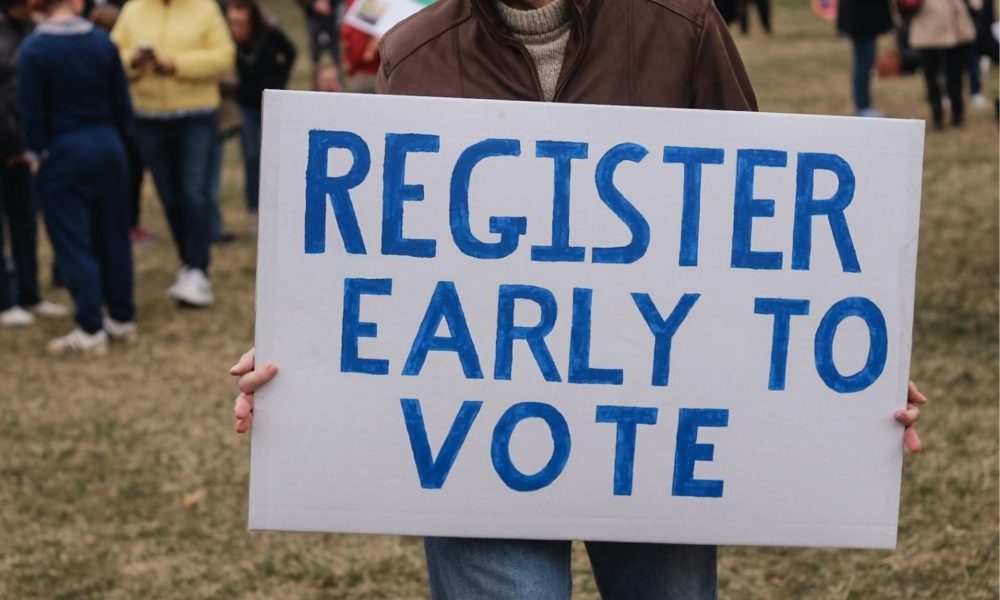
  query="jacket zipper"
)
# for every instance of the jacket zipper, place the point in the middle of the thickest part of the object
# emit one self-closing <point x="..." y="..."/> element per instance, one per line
<point x="578" y="24"/>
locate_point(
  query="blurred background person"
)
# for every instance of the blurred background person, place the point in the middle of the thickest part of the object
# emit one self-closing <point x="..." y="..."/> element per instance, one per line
<point x="327" y="79"/>
<point x="943" y="32"/>
<point x="323" y="28"/>
<point x="17" y="203"/>
<point x="360" y="60"/>
<point x="863" y="21"/>
<point x="74" y="98"/>
<point x="175" y="73"/>
<point x="763" y="11"/>
<point x="729" y="9"/>
<point x="105" y="16"/>
<point x="264" y="60"/>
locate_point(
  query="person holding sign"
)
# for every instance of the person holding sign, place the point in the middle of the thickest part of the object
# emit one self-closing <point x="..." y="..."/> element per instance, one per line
<point x="663" y="53"/>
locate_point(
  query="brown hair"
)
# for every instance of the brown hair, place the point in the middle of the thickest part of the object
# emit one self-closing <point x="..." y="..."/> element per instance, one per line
<point x="258" y="23"/>
<point x="105" y="16"/>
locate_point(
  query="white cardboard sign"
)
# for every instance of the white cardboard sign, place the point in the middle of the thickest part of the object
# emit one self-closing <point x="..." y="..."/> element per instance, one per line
<point x="530" y="320"/>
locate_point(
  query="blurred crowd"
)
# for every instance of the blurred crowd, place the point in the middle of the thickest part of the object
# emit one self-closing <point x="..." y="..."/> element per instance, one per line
<point x="945" y="39"/>
<point x="95" y="93"/>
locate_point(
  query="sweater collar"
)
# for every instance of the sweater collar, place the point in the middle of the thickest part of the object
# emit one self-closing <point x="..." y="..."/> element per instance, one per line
<point x="74" y="26"/>
<point x="538" y="21"/>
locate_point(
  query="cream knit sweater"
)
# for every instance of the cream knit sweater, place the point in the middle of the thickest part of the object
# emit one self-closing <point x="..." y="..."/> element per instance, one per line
<point x="544" y="32"/>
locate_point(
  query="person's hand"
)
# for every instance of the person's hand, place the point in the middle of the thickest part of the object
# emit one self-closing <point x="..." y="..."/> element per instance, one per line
<point x="909" y="416"/>
<point x="142" y="58"/>
<point x="250" y="380"/>
<point x="165" y="66"/>
<point x="371" y="50"/>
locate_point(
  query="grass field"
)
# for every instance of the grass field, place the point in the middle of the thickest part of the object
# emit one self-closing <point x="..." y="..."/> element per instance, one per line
<point x="120" y="477"/>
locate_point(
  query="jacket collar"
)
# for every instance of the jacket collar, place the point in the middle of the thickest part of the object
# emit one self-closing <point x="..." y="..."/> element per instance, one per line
<point x="487" y="13"/>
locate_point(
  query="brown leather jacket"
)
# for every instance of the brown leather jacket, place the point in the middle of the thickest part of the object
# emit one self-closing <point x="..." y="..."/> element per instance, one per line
<point x="669" y="53"/>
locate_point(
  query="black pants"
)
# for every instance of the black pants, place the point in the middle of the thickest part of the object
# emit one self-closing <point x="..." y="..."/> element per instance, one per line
<point x="763" y="11"/>
<point x="17" y="209"/>
<point x="952" y="60"/>
<point x="135" y="172"/>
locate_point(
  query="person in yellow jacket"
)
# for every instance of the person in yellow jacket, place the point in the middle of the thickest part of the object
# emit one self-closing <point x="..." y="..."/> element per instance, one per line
<point x="175" y="52"/>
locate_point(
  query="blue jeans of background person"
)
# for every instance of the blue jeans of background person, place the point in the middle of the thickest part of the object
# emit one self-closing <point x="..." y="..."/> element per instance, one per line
<point x="17" y="208"/>
<point x="179" y="154"/>
<point x="250" y="142"/>
<point x="83" y="189"/>
<point x="216" y="225"/>
<point x="861" y="73"/>
<point x="493" y="569"/>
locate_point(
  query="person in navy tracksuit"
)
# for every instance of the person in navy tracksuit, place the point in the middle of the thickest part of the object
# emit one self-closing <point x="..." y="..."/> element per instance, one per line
<point x="75" y="105"/>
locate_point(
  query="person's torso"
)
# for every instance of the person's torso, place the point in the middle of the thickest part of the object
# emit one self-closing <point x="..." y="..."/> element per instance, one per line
<point x="262" y="65"/>
<point x="942" y="24"/>
<point x="75" y="65"/>
<point x="171" y="29"/>
<point x="864" y="18"/>
<point x="12" y="34"/>
<point x="625" y="52"/>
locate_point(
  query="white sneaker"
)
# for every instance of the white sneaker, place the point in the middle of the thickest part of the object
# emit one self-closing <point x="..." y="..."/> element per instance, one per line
<point x="177" y="282"/>
<point x="49" y="310"/>
<point x="79" y="341"/>
<point x="15" y="316"/>
<point x="193" y="288"/>
<point x="120" y="330"/>
<point x="979" y="101"/>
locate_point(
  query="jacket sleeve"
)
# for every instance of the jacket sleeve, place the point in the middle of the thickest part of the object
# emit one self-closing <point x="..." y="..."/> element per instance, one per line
<point x="719" y="81"/>
<point x="10" y="125"/>
<point x="31" y="101"/>
<point x="381" y="80"/>
<point x="283" y="70"/>
<point x="215" y="58"/>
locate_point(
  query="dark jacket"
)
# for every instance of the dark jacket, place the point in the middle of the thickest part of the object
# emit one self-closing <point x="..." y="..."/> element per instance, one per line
<point x="864" y="18"/>
<point x="12" y="33"/>
<point x="265" y="65"/>
<point x="668" y="53"/>
<point x="71" y="79"/>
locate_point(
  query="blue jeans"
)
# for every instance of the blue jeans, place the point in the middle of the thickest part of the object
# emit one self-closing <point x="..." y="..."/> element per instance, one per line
<point x="864" y="60"/>
<point x="493" y="569"/>
<point x="216" y="225"/>
<point x="250" y="143"/>
<point x="83" y="189"/>
<point x="179" y="154"/>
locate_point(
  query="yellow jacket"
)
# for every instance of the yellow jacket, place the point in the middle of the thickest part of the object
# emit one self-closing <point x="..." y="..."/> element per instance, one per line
<point x="191" y="33"/>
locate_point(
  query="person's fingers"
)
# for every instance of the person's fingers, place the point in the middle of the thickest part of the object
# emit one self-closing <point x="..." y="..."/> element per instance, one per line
<point x="909" y="416"/>
<point x="244" y="365"/>
<point x="243" y="425"/>
<point x="914" y="395"/>
<point x="912" y="440"/>
<point x="244" y="406"/>
<point x="243" y="411"/>
<point x="252" y="381"/>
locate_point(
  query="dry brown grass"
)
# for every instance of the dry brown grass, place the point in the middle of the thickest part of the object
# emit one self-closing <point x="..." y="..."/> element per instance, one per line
<point x="98" y="456"/>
